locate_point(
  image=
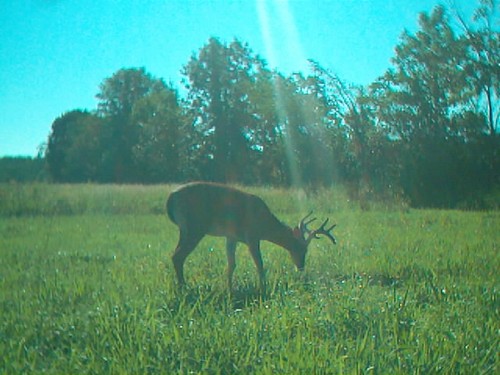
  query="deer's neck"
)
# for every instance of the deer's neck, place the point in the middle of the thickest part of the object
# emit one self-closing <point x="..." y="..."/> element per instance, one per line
<point x="281" y="235"/>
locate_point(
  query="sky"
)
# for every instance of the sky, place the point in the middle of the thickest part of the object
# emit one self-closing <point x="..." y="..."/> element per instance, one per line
<point x="55" y="53"/>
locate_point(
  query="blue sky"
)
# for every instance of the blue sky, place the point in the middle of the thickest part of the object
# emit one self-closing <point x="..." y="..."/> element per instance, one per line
<point x="55" y="53"/>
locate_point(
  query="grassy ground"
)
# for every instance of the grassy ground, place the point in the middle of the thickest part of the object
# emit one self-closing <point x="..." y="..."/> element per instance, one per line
<point x="87" y="287"/>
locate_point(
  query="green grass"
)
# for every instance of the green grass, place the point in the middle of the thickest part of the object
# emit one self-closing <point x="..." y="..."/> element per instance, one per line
<point x="87" y="287"/>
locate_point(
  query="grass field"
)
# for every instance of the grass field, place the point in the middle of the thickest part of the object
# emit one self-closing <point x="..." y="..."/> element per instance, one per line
<point x="87" y="287"/>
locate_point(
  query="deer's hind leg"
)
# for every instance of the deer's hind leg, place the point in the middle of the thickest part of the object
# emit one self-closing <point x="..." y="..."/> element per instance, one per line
<point x="231" y="260"/>
<point x="187" y="243"/>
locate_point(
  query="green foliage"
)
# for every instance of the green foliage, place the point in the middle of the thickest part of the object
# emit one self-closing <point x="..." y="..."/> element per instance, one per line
<point x="218" y="80"/>
<point x="158" y="152"/>
<point x="76" y="147"/>
<point x="93" y="291"/>
<point x="119" y="93"/>
<point x="22" y="169"/>
<point x="426" y="130"/>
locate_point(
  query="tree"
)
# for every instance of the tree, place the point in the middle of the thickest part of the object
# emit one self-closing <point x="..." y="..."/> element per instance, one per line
<point x="134" y="137"/>
<point x="360" y="144"/>
<point x="75" y="147"/>
<point x="218" y="80"/>
<point x="347" y="134"/>
<point x="303" y="131"/>
<point x="21" y="169"/>
<point x="422" y="92"/>
<point x="268" y="163"/>
<point x="424" y="102"/>
<point x="483" y="68"/>
<point x="117" y="97"/>
<point x="159" y="155"/>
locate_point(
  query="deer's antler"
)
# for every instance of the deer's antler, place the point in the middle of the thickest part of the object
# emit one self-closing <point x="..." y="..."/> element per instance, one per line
<point x="311" y="234"/>
<point x="303" y="225"/>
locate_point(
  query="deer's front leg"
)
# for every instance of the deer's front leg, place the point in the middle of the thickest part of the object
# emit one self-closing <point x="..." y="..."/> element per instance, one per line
<point x="231" y="260"/>
<point x="254" y="248"/>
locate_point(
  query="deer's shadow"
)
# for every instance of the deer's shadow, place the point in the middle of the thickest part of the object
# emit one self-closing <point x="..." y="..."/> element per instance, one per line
<point x="246" y="296"/>
<point x="239" y="298"/>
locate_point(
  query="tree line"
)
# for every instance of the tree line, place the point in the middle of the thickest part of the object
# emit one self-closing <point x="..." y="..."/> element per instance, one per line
<point x="426" y="130"/>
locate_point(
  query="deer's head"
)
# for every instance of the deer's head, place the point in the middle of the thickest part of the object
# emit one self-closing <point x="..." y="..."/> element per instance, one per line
<point x="304" y="236"/>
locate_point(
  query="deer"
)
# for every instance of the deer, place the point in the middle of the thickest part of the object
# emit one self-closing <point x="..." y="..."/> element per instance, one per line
<point x="207" y="208"/>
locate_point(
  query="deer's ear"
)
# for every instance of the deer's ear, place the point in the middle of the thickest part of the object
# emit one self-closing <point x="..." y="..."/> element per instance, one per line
<point x="297" y="233"/>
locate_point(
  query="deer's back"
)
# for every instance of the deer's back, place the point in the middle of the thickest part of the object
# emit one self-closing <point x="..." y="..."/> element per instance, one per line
<point x="219" y="210"/>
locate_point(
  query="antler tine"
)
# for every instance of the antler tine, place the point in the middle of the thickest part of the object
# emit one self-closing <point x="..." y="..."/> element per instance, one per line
<point x="303" y="224"/>
<point x="324" y="223"/>
<point x="323" y="231"/>
<point x="326" y="232"/>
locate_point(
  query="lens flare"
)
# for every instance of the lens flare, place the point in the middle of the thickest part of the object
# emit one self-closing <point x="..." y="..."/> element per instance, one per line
<point x="281" y="32"/>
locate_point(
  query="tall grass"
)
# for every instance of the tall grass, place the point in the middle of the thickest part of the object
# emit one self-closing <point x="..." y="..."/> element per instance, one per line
<point x="48" y="199"/>
<point x="65" y="199"/>
<point x="87" y="287"/>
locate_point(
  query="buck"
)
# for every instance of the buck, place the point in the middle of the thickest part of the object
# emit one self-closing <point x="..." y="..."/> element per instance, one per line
<point x="202" y="208"/>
